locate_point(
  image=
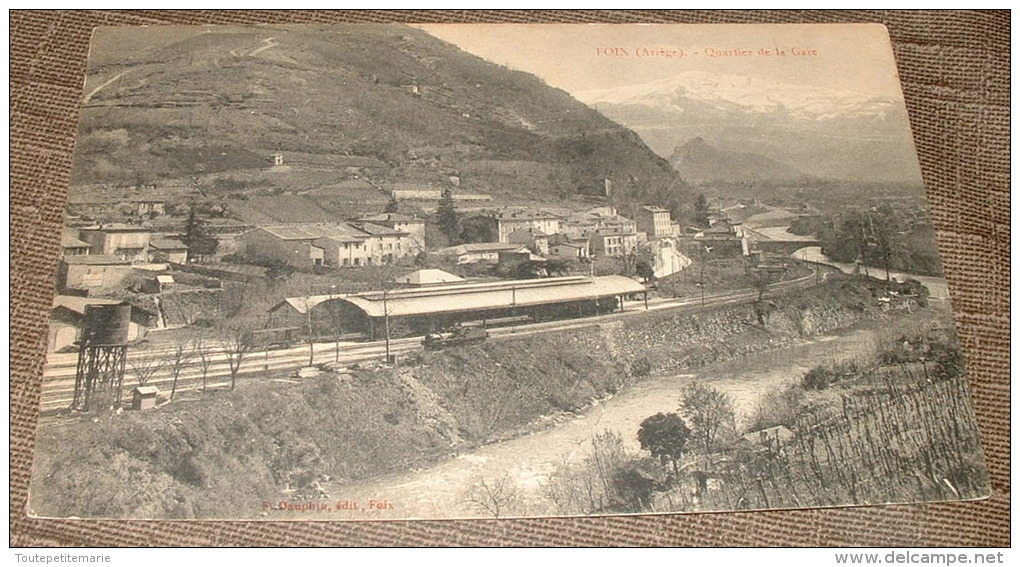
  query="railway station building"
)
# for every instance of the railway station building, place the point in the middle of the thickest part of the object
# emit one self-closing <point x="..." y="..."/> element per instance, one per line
<point x="419" y="311"/>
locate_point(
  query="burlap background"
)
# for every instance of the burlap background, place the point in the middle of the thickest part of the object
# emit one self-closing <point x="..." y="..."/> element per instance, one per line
<point x="955" y="72"/>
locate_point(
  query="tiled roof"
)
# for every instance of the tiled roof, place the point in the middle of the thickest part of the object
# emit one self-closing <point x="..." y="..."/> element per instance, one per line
<point x="341" y="232"/>
<point x="167" y="244"/>
<point x="96" y="260"/>
<point x="77" y="304"/>
<point x="478" y="248"/>
<point x="69" y="239"/>
<point x="391" y="217"/>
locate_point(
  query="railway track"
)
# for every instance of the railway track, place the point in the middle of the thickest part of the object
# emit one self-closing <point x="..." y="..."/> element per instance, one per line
<point x="59" y="374"/>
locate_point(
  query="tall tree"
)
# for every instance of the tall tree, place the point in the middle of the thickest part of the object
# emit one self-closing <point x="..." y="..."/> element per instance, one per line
<point x="701" y="210"/>
<point x="392" y="206"/>
<point x="665" y="436"/>
<point x="449" y="220"/>
<point x="197" y="237"/>
<point x="709" y="412"/>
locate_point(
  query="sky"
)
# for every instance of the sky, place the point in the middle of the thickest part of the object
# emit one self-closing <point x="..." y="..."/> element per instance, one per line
<point x="580" y="57"/>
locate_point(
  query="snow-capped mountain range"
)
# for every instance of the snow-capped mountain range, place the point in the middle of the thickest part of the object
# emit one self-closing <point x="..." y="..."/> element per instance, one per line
<point x="828" y="133"/>
<point x="751" y="94"/>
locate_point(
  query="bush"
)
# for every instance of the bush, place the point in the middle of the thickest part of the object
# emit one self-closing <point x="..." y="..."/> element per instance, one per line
<point x="641" y="368"/>
<point x="780" y="407"/>
<point x="818" y="378"/>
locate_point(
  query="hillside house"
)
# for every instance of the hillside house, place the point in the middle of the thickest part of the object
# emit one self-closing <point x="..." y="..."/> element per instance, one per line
<point x="127" y="242"/>
<point x="506" y="221"/>
<point x="337" y="245"/>
<point x="415" y="191"/>
<point x="533" y="239"/>
<point x="611" y="242"/>
<point x="476" y="252"/>
<point x="654" y="221"/>
<point x="413" y="226"/>
<point x="563" y="247"/>
<point x="71" y="245"/>
<point x="90" y="272"/>
<point x="163" y="249"/>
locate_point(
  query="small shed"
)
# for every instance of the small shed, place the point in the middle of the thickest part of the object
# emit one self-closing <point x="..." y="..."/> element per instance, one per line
<point x="771" y="438"/>
<point x="144" y="397"/>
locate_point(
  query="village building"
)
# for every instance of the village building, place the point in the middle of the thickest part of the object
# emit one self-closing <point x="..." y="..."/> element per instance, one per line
<point x="383" y="244"/>
<point x="163" y="249"/>
<point x="336" y="245"/>
<point x="71" y="245"/>
<point x="535" y="240"/>
<point x="511" y="259"/>
<point x="564" y="247"/>
<point x="504" y="222"/>
<point x="611" y="242"/>
<point x="68" y="314"/>
<point x="88" y="273"/>
<point x="654" y="221"/>
<point x="413" y="226"/>
<point x="606" y="219"/>
<point x="476" y="252"/>
<point x="127" y="242"/>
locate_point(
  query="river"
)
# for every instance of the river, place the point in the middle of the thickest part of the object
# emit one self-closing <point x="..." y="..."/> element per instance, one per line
<point x="938" y="289"/>
<point x="441" y="490"/>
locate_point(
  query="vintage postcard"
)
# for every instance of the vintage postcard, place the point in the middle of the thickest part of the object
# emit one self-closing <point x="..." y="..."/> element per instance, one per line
<point x="374" y="272"/>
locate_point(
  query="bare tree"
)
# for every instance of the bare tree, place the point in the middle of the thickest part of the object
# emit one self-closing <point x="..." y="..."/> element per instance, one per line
<point x="204" y="350"/>
<point x="498" y="497"/>
<point x="145" y="366"/>
<point x="181" y="354"/>
<point x="235" y="340"/>
<point x="590" y="486"/>
<point x="382" y="277"/>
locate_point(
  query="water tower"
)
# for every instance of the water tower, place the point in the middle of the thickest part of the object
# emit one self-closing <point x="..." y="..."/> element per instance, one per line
<point x="102" y="353"/>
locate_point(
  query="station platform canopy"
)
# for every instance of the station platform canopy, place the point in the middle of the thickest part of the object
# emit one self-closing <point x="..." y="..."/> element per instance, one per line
<point x="466" y="297"/>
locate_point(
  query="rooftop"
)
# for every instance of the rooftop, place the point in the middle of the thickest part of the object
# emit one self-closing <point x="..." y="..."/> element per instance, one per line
<point x="69" y="239"/>
<point x="342" y="232"/>
<point x="167" y="244"/>
<point x="96" y="260"/>
<point x="116" y="227"/>
<point x="391" y="217"/>
<point x="478" y="248"/>
<point x="462" y="297"/>
<point x="428" y="277"/>
<point x="78" y="304"/>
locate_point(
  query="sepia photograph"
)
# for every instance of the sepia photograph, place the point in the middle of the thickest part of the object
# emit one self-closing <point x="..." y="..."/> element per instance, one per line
<point x="450" y="271"/>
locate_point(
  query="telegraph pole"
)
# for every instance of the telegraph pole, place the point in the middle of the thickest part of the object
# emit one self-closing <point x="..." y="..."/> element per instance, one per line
<point x="386" y="319"/>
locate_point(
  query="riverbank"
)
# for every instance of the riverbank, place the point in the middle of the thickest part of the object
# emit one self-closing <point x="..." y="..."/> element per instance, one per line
<point x="240" y="454"/>
<point x="521" y="467"/>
